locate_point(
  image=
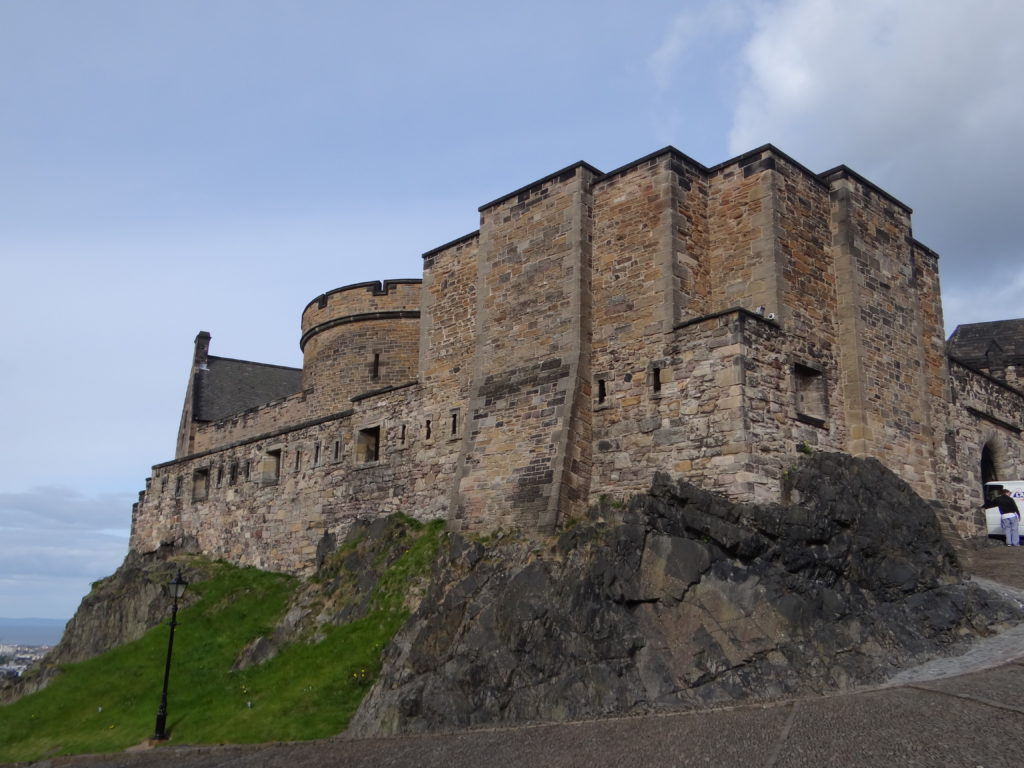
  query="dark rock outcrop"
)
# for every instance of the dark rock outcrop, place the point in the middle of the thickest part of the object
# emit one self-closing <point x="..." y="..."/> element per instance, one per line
<point x="682" y="599"/>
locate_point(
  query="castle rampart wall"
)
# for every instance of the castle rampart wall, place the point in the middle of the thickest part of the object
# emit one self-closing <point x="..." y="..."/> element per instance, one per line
<point x="448" y="324"/>
<point x="269" y="500"/>
<point x="741" y="234"/>
<point x="885" y="342"/>
<point x="803" y="254"/>
<point x="529" y="357"/>
<point x="727" y="416"/>
<point x="276" y="415"/>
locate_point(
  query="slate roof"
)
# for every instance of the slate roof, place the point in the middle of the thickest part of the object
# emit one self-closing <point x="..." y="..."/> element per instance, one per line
<point x="987" y="345"/>
<point x="227" y="386"/>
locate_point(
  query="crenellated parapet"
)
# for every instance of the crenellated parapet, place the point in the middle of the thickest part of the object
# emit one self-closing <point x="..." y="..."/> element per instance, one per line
<point x="360" y="338"/>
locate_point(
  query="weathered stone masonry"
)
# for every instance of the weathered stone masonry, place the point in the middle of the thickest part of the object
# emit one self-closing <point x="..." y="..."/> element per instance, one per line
<point x="597" y="328"/>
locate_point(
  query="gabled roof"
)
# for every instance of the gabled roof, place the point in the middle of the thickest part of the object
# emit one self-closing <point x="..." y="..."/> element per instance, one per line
<point x="226" y="387"/>
<point x="987" y="345"/>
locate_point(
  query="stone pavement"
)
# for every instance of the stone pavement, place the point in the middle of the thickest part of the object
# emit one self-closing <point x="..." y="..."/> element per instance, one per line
<point x="966" y="712"/>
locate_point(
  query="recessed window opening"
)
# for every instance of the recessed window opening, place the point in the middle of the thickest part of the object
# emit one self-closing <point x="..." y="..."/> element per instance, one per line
<point x="428" y="429"/>
<point x="316" y="454"/>
<point x="602" y="390"/>
<point x="177" y="486"/>
<point x="401" y="434"/>
<point x="270" y="467"/>
<point x="200" y="484"/>
<point x="233" y="473"/>
<point x="811" y="397"/>
<point x="454" y="424"/>
<point x="375" y="373"/>
<point x="337" y="449"/>
<point x="655" y="379"/>
<point x="163" y="484"/>
<point x="248" y="469"/>
<point x="368" y="445"/>
<point x="298" y="459"/>
<point x="220" y="475"/>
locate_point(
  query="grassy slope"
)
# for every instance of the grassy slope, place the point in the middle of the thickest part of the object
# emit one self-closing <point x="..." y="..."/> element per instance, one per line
<point x="310" y="690"/>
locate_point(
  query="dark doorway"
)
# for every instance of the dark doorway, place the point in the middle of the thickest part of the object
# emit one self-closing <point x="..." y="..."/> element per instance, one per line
<point x="988" y="470"/>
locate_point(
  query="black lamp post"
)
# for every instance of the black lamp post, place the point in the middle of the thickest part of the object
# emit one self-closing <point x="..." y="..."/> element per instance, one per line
<point x="176" y="589"/>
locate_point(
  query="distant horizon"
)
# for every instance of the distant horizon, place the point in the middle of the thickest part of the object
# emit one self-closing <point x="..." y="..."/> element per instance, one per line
<point x="27" y="619"/>
<point x="31" y="631"/>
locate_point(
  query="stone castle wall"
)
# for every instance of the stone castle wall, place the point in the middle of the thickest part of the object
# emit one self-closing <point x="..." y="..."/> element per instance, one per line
<point x="988" y="413"/>
<point x="712" y="323"/>
<point x="282" y="414"/>
<point x="529" y="366"/>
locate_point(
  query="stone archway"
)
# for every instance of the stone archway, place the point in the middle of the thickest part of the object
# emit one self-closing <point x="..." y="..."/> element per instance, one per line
<point x="993" y="466"/>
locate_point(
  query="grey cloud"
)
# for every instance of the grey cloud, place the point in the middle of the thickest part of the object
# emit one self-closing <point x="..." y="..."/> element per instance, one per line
<point x="34" y="554"/>
<point x="58" y="508"/>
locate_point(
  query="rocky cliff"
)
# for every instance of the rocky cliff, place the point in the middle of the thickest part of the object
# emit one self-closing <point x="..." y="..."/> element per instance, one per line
<point x="681" y="599"/>
<point x="675" y="599"/>
<point x="117" y="610"/>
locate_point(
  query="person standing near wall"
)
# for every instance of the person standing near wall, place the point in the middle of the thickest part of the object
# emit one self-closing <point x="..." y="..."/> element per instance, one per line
<point x="1009" y="517"/>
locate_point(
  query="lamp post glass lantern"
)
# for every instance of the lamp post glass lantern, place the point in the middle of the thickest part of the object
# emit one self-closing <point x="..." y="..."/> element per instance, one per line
<point x="175" y="589"/>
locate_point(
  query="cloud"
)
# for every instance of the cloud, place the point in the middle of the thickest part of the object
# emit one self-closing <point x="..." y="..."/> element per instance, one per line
<point x="690" y="33"/>
<point x="920" y="97"/>
<point x="35" y="554"/>
<point x="46" y="571"/>
<point x="58" y="508"/>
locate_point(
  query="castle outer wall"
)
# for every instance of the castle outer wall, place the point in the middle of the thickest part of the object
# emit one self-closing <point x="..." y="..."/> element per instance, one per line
<point x="708" y="322"/>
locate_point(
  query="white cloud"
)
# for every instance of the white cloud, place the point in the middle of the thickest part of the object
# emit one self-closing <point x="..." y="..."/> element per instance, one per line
<point x="687" y="34"/>
<point x="920" y="97"/>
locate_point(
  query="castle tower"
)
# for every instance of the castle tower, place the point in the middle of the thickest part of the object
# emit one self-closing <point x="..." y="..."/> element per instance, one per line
<point x="360" y="338"/>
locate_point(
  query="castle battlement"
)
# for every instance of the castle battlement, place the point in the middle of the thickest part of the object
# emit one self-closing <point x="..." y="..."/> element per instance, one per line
<point x="598" y="327"/>
<point x="378" y="299"/>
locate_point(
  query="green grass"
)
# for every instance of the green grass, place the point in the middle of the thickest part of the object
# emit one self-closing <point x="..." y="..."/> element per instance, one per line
<point x="309" y="690"/>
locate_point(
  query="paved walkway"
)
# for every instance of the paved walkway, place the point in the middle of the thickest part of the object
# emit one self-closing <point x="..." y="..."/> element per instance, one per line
<point x="966" y="712"/>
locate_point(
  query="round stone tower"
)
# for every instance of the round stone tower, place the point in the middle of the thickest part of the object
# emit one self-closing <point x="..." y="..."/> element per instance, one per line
<point x="360" y="338"/>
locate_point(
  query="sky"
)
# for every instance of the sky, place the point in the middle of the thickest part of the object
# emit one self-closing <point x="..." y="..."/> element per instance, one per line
<point x="182" y="165"/>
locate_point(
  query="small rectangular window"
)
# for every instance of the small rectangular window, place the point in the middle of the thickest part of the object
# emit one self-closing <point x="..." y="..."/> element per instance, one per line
<point x="177" y="486"/>
<point x="368" y="445"/>
<point x="602" y="390"/>
<point x="298" y="460"/>
<point x="233" y="473"/>
<point x="248" y="469"/>
<point x="316" y="454"/>
<point x="337" y="449"/>
<point x="656" y="380"/>
<point x="811" y="395"/>
<point x="200" y="484"/>
<point x="163" y="485"/>
<point x="401" y="434"/>
<point x="270" y="467"/>
<point x="220" y="475"/>
<point x="427" y="431"/>
<point x="375" y="372"/>
<point x="453" y="423"/>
